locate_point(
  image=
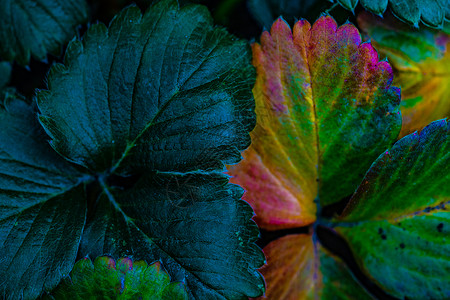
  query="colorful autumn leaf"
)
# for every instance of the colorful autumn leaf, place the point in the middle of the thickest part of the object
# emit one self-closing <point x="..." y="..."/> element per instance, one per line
<point x="397" y="223"/>
<point x="106" y="279"/>
<point x="35" y="28"/>
<point x="421" y="64"/>
<point x="325" y="110"/>
<point x="164" y="98"/>
<point x="430" y="12"/>
<point x="299" y="268"/>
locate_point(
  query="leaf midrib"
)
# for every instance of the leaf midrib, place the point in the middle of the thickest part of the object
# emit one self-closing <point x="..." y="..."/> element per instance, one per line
<point x="129" y="220"/>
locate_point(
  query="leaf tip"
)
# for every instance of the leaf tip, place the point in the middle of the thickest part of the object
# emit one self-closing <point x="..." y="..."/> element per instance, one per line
<point x="280" y="26"/>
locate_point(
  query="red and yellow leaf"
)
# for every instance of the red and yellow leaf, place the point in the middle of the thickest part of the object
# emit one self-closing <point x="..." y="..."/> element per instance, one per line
<point x="325" y="110"/>
<point x="298" y="268"/>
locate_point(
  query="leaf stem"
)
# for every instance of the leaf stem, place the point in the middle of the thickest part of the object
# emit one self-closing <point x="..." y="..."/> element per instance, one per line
<point x="331" y="8"/>
<point x="112" y="200"/>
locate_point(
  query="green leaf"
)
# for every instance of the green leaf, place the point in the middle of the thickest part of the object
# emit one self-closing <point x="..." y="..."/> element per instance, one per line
<point x="430" y="12"/>
<point x="165" y="98"/>
<point x="105" y="279"/>
<point x="35" y="28"/>
<point x="165" y="91"/>
<point x="400" y="210"/>
<point x="195" y="224"/>
<point x="349" y="4"/>
<point x="267" y="11"/>
<point x="41" y="212"/>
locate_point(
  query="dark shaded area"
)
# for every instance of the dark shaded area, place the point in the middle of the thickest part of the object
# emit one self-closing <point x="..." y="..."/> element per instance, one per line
<point x="335" y="209"/>
<point x="269" y="236"/>
<point x="93" y="191"/>
<point x="337" y="245"/>
<point x="27" y="80"/>
<point x="382" y="233"/>
<point x="123" y="182"/>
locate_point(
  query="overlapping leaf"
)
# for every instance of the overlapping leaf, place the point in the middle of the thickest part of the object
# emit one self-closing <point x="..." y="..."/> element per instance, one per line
<point x="195" y="224"/>
<point x="299" y="268"/>
<point x="421" y="63"/>
<point x="106" y="279"/>
<point x="165" y="95"/>
<point x="430" y="12"/>
<point x="42" y="211"/>
<point x="267" y="11"/>
<point x="325" y="110"/>
<point x="397" y="223"/>
<point x="35" y="28"/>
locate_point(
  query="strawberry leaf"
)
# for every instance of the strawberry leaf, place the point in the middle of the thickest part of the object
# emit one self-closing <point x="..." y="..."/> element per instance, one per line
<point x="267" y="11"/>
<point x="143" y="116"/>
<point x="195" y="224"/>
<point x="39" y="236"/>
<point x="325" y="110"/>
<point x="421" y="63"/>
<point x="35" y="28"/>
<point x="430" y="12"/>
<point x="125" y="279"/>
<point x="299" y="268"/>
<point x="138" y="90"/>
<point x="399" y="216"/>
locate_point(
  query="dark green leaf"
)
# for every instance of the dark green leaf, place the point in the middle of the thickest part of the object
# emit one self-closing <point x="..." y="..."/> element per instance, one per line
<point x="267" y="11"/>
<point x="34" y="28"/>
<point x="397" y="223"/>
<point x="167" y="95"/>
<point x="104" y="279"/>
<point x="430" y="12"/>
<point x="41" y="215"/>
<point x="195" y="223"/>
<point x="164" y="91"/>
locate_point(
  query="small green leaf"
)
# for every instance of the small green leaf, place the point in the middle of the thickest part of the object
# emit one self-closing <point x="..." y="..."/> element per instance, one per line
<point x="35" y="28"/>
<point x="106" y="279"/>
<point x="41" y="215"/>
<point x="397" y="223"/>
<point x="377" y="7"/>
<point x="349" y="4"/>
<point x="267" y="11"/>
<point x="431" y="12"/>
